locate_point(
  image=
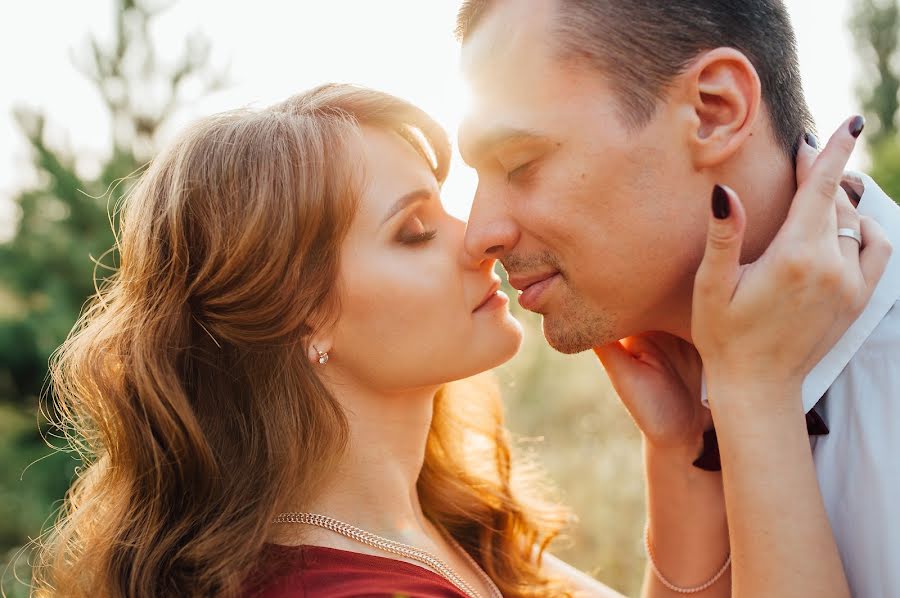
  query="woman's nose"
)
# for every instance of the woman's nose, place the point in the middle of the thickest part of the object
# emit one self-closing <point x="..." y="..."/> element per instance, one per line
<point x="467" y="259"/>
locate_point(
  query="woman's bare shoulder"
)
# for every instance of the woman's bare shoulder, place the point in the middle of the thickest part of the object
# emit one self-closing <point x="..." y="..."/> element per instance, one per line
<point x="584" y="585"/>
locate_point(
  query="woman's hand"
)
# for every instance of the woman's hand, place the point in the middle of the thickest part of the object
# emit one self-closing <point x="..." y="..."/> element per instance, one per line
<point x="760" y="328"/>
<point x="657" y="377"/>
<point x="775" y="318"/>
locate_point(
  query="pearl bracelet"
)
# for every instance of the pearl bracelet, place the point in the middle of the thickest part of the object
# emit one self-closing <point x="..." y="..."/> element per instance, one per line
<point x="662" y="579"/>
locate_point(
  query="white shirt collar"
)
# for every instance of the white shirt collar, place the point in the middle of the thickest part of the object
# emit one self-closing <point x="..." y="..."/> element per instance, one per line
<point x="875" y="204"/>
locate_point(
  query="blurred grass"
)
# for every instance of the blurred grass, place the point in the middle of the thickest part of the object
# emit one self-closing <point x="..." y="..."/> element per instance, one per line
<point x="564" y="410"/>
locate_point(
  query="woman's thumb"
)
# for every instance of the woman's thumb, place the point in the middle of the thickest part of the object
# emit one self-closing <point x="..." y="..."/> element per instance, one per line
<point x="720" y="269"/>
<point x="625" y="373"/>
<point x="616" y="359"/>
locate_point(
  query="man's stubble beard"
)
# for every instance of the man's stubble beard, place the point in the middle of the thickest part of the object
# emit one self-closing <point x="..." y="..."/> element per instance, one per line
<point x="575" y="327"/>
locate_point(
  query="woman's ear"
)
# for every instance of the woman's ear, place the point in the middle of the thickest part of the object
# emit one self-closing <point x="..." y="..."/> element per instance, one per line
<point x="722" y="95"/>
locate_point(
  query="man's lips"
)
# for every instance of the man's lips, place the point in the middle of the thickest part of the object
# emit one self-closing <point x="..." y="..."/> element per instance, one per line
<point x="521" y="283"/>
<point x="532" y="287"/>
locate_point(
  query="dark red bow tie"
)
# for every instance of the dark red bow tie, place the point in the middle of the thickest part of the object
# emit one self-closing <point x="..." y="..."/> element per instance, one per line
<point x="709" y="458"/>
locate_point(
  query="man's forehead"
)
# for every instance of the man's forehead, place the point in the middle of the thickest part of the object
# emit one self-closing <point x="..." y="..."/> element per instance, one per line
<point x="505" y="63"/>
<point x="506" y="38"/>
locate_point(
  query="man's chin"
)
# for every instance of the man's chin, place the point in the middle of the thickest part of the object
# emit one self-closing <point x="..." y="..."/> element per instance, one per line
<point x="564" y="339"/>
<point x="570" y="335"/>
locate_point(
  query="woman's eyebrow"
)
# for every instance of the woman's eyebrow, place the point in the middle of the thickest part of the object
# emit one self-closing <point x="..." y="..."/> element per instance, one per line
<point x="406" y="200"/>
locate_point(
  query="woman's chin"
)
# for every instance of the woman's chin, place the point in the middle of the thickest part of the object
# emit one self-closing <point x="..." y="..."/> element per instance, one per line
<point x="518" y="331"/>
<point x="486" y="352"/>
<point x="503" y="343"/>
<point x="490" y="347"/>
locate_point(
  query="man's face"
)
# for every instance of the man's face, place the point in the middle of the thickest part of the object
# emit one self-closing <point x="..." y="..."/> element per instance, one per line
<point x="601" y="225"/>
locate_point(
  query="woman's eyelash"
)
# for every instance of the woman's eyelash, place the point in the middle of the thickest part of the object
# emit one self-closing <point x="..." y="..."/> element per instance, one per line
<point x="418" y="238"/>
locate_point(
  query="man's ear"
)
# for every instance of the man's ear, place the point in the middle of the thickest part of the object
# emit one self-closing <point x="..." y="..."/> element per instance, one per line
<point x="722" y="96"/>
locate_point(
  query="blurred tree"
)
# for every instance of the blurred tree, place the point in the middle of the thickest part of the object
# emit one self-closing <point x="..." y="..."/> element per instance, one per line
<point x="876" y="26"/>
<point x="885" y="166"/>
<point x="65" y="221"/>
<point x="64" y="232"/>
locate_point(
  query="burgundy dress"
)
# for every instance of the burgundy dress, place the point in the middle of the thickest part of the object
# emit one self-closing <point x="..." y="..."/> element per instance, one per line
<point x="320" y="572"/>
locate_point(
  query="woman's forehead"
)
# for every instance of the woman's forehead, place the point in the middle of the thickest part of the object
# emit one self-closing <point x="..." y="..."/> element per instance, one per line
<point x="391" y="169"/>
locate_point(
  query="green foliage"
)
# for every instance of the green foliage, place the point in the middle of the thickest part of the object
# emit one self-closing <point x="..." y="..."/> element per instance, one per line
<point x="64" y="235"/>
<point x="47" y="268"/>
<point x="32" y="478"/>
<point x="876" y="26"/>
<point x="885" y="167"/>
<point x="65" y="222"/>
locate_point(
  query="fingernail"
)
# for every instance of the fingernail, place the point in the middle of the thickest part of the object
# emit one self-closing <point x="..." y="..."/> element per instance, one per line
<point x="856" y="125"/>
<point x="811" y="140"/>
<point x="721" y="207"/>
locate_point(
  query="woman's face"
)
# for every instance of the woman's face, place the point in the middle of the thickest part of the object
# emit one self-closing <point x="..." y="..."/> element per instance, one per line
<point x="415" y="310"/>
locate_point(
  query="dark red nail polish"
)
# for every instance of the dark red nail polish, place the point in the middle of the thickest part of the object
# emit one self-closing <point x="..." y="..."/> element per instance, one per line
<point x="856" y="125"/>
<point x="721" y="206"/>
<point x="811" y="140"/>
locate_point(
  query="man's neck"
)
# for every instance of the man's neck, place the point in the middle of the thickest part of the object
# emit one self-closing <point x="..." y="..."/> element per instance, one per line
<point x="766" y="183"/>
<point x="765" y="180"/>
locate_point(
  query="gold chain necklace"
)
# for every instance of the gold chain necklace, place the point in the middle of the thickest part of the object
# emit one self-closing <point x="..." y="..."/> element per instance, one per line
<point x="404" y="550"/>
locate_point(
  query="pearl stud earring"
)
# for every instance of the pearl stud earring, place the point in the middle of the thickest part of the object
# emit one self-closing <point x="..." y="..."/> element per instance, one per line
<point x="323" y="356"/>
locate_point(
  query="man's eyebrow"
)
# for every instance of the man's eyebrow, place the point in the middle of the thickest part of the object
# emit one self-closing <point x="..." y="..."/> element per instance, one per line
<point x="492" y="138"/>
<point x="407" y="200"/>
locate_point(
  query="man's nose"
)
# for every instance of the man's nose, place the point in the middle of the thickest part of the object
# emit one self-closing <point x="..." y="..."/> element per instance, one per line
<point x="491" y="233"/>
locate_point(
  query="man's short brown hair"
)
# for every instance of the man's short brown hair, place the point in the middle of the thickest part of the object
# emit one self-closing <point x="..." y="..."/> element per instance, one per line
<point x="643" y="44"/>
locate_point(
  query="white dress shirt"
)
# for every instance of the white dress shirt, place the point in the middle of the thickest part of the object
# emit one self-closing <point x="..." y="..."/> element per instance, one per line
<point x="858" y="461"/>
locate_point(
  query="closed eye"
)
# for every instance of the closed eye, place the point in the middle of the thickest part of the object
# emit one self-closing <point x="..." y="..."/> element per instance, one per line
<point x="519" y="172"/>
<point x="415" y="233"/>
<point x="418" y="238"/>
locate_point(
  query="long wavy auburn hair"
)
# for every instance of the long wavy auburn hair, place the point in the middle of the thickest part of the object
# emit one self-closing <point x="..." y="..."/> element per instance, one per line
<point x="186" y="389"/>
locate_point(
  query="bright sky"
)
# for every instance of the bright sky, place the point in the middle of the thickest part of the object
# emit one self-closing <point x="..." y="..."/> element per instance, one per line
<point x="276" y="48"/>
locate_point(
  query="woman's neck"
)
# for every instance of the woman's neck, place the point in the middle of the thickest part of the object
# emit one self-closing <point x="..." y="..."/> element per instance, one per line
<point x="373" y="485"/>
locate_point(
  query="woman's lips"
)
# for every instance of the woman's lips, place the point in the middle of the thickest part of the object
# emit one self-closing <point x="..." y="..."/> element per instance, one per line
<point x="532" y="289"/>
<point x="491" y="296"/>
<point x="496" y="300"/>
